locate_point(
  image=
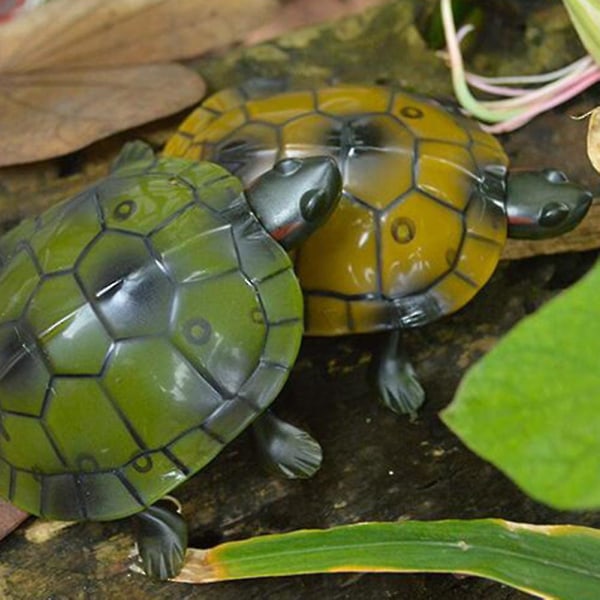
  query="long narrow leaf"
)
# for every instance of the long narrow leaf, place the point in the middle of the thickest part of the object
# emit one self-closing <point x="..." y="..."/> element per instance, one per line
<point x="545" y="561"/>
<point x="585" y="15"/>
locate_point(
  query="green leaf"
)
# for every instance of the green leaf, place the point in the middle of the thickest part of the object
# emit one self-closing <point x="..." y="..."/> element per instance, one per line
<point x="532" y="405"/>
<point x="550" y="562"/>
<point x="585" y="15"/>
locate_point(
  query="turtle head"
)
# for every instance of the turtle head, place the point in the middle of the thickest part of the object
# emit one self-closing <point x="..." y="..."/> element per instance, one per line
<point x="543" y="204"/>
<point x="296" y="197"/>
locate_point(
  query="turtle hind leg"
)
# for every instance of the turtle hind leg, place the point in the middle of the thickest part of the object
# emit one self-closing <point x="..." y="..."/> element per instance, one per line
<point x="395" y="379"/>
<point x="285" y="449"/>
<point x="162" y="538"/>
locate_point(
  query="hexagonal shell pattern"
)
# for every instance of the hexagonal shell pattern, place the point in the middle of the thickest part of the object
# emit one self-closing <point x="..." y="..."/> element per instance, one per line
<point x="122" y="369"/>
<point x="413" y="220"/>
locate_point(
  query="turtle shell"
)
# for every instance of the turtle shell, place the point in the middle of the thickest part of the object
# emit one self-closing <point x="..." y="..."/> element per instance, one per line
<point x="143" y="325"/>
<point x="423" y="205"/>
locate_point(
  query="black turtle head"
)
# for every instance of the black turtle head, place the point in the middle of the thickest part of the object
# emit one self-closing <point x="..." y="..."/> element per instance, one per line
<point x="543" y="204"/>
<point x="296" y="197"/>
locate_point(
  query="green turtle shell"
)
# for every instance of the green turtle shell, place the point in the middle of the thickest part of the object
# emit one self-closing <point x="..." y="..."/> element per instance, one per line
<point x="143" y="325"/>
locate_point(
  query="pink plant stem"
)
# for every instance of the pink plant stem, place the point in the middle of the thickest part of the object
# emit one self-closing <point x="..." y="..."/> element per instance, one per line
<point x="589" y="78"/>
<point x="539" y="94"/>
<point x="482" y="84"/>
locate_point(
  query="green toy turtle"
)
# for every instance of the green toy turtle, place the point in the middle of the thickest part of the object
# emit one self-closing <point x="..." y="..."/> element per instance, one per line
<point x="143" y="325"/>
<point x="427" y="205"/>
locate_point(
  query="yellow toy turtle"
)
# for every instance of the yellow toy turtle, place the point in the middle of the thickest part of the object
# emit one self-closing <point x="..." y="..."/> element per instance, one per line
<point x="427" y="206"/>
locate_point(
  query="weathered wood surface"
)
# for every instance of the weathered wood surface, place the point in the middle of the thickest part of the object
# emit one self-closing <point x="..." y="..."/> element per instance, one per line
<point x="377" y="466"/>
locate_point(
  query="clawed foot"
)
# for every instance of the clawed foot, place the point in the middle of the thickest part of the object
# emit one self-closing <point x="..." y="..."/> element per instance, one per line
<point x="395" y="378"/>
<point x="285" y="449"/>
<point x="161" y="542"/>
<point x="399" y="388"/>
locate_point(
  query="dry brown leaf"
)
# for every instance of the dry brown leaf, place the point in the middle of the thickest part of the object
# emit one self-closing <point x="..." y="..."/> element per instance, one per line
<point x="68" y="73"/>
<point x="45" y="115"/>
<point x="10" y="518"/>
<point x="101" y="33"/>
<point x="593" y="138"/>
<point x="302" y="13"/>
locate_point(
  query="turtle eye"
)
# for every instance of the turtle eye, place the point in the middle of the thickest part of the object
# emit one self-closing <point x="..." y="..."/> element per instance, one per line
<point x="555" y="176"/>
<point x="288" y="166"/>
<point x="554" y="214"/>
<point x="314" y="205"/>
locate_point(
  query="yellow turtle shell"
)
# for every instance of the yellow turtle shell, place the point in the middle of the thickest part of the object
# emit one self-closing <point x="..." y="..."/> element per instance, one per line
<point x="423" y="204"/>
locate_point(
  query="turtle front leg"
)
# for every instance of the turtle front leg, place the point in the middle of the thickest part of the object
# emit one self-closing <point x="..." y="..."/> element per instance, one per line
<point x="162" y="539"/>
<point x="399" y="388"/>
<point x="395" y="379"/>
<point x="417" y="310"/>
<point x="285" y="449"/>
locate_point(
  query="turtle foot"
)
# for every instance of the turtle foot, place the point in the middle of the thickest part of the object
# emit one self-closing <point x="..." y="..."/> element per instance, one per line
<point x="285" y="449"/>
<point x="396" y="380"/>
<point x="399" y="388"/>
<point x="161" y="541"/>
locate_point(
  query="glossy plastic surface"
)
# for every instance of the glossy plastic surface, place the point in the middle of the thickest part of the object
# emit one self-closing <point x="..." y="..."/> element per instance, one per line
<point x="422" y="216"/>
<point x="296" y="197"/>
<point x="143" y="325"/>
<point x="543" y="204"/>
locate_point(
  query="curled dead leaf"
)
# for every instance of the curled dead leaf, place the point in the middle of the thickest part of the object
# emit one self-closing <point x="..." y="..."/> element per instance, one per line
<point x="41" y="531"/>
<point x="593" y="138"/>
<point x="302" y="13"/>
<point x="74" y="72"/>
